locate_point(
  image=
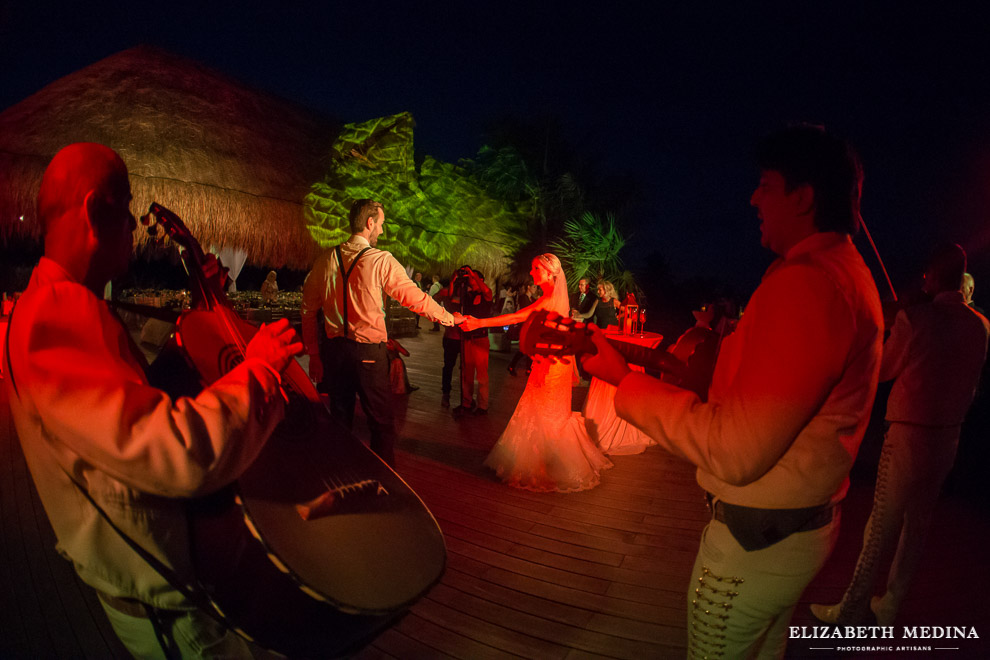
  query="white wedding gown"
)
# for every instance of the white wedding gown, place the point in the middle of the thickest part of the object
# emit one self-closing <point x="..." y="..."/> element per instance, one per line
<point x="546" y="447"/>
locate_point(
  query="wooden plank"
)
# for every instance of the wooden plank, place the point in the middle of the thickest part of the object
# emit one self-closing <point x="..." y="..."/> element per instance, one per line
<point x="541" y="512"/>
<point x="26" y="595"/>
<point x="16" y="622"/>
<point x="525" y="623"/>
<point x="674" y="563"/>
<point x="659" y="570"/>
<point x="443" y="636"/>
<point x="498" y="593"/>
<point x="601" y="518"/>
<point x="669" y="609"/>
<point x="494" y="635"/>
<point x="454" y="522"/>
<point x="573" y="615"/>
<point x="658" y="549"/>
<point x="493" y="542"/>
<point x="545" y="573"/>
<point x="372" y="652"/>
<point x="395" y="644"/>
<point x="670" y="591"/>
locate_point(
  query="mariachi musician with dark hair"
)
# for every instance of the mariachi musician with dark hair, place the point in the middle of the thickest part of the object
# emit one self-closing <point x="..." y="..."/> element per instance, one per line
<point x="789" y="403"/>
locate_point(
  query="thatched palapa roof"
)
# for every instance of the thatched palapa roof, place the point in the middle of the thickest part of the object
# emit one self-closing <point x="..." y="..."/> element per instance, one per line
<point x="235" y="163"/>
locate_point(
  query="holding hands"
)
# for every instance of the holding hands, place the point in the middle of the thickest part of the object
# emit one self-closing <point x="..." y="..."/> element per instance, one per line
<point x="469" y="323"/>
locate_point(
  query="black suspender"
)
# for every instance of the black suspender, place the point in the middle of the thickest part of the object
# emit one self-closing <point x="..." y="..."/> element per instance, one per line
<point x="345" y="274"/>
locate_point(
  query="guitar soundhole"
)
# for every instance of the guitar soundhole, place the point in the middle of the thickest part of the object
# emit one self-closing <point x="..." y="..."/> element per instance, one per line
<point x="230" y="356"/>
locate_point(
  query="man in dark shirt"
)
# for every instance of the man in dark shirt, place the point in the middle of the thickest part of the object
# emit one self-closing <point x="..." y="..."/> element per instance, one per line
<point x="468" y="294"/>
<point x="582" y="300"/>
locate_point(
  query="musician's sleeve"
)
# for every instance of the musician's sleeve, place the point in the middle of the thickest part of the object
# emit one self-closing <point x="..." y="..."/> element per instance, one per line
<point x="90" y="395"/>
<point x="799" y="333"/>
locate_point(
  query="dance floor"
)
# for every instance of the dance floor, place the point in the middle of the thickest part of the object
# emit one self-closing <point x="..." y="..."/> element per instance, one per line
<point x="596" y="574"/>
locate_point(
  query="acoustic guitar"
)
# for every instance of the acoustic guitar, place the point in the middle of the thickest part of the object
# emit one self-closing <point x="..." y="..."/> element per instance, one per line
<point x="319" y="545"/>
<point x="548" y="333"/>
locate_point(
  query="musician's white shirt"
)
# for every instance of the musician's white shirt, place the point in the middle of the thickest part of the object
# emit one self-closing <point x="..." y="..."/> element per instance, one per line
<point x="83" y="405"/>
<point x="935" y="352"/>
<point x="792" y="390"/>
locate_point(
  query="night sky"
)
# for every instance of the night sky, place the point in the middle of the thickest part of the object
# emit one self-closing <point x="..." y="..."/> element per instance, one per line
<point x="674" y="97"/>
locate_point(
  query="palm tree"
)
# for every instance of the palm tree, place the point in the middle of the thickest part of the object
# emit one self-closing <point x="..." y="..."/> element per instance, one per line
<point x="590" y="248"/>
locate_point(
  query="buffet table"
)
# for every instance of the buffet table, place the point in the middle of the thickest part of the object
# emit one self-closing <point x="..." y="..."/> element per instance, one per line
<point x="614" y="435"/>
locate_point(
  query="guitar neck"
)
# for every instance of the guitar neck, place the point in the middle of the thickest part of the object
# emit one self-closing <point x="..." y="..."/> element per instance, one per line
<point x="648" y="358"/>
<point x="213" y="298"/>
<point x="543" y="334"/>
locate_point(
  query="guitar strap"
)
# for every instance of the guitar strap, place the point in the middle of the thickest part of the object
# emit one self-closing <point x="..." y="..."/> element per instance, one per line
<point x="345" y="274"/>
<point x="193" y="594"/>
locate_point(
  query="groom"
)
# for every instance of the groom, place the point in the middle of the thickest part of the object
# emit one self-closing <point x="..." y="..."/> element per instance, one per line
<point x="789" y="401"/>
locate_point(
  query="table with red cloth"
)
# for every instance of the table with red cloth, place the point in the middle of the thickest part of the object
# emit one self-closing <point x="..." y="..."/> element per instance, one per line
<point x="615" y="435"/>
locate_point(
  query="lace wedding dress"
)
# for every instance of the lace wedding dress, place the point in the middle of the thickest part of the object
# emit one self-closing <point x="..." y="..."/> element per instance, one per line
<point x="546" y="447"/>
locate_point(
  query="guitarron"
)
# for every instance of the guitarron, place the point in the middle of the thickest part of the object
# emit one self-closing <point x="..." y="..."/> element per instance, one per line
<point x="319" y="545"/>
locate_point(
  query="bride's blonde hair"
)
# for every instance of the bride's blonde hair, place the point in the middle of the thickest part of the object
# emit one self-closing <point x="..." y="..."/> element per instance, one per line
<point x="550" y="263"/>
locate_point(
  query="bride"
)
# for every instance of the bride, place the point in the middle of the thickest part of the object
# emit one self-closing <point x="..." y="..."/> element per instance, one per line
<point x="545" y="447"/>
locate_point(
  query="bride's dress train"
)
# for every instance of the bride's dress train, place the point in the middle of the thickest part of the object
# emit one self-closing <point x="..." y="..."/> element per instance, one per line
<point x="546" y="446"/>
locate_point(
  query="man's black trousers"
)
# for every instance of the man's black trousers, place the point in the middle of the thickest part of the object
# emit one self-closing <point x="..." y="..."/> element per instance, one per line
<point x="451" y="351"/>
<point x="351" y="368"/>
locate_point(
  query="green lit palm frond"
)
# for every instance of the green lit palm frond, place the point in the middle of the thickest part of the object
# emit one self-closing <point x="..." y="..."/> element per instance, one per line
<point x="590" y="247"/>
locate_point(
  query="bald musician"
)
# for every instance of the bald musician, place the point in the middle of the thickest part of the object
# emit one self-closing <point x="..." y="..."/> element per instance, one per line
<point x="89" y="421"/>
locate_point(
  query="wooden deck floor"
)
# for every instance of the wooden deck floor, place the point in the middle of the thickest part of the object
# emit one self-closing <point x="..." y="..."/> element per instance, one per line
<point x="600" y="573"/>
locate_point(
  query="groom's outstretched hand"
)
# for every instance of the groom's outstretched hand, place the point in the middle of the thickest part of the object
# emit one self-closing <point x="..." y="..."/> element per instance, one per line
<point x="607" y="364"/>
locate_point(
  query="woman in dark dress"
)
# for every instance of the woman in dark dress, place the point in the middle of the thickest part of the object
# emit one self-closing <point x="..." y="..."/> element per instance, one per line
<point x="602" y="313"/>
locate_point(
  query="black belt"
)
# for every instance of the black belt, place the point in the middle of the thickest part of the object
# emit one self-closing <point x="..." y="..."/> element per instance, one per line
<point x="756" y="529"/>
<point x="349" y="341"/>
<point x="135" y="608"/>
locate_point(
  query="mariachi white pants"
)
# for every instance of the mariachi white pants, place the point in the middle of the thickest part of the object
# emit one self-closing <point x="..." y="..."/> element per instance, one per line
<point x="914" y="463"/>
<point x="190" y="634"/>
<point x="739" y="602"/>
